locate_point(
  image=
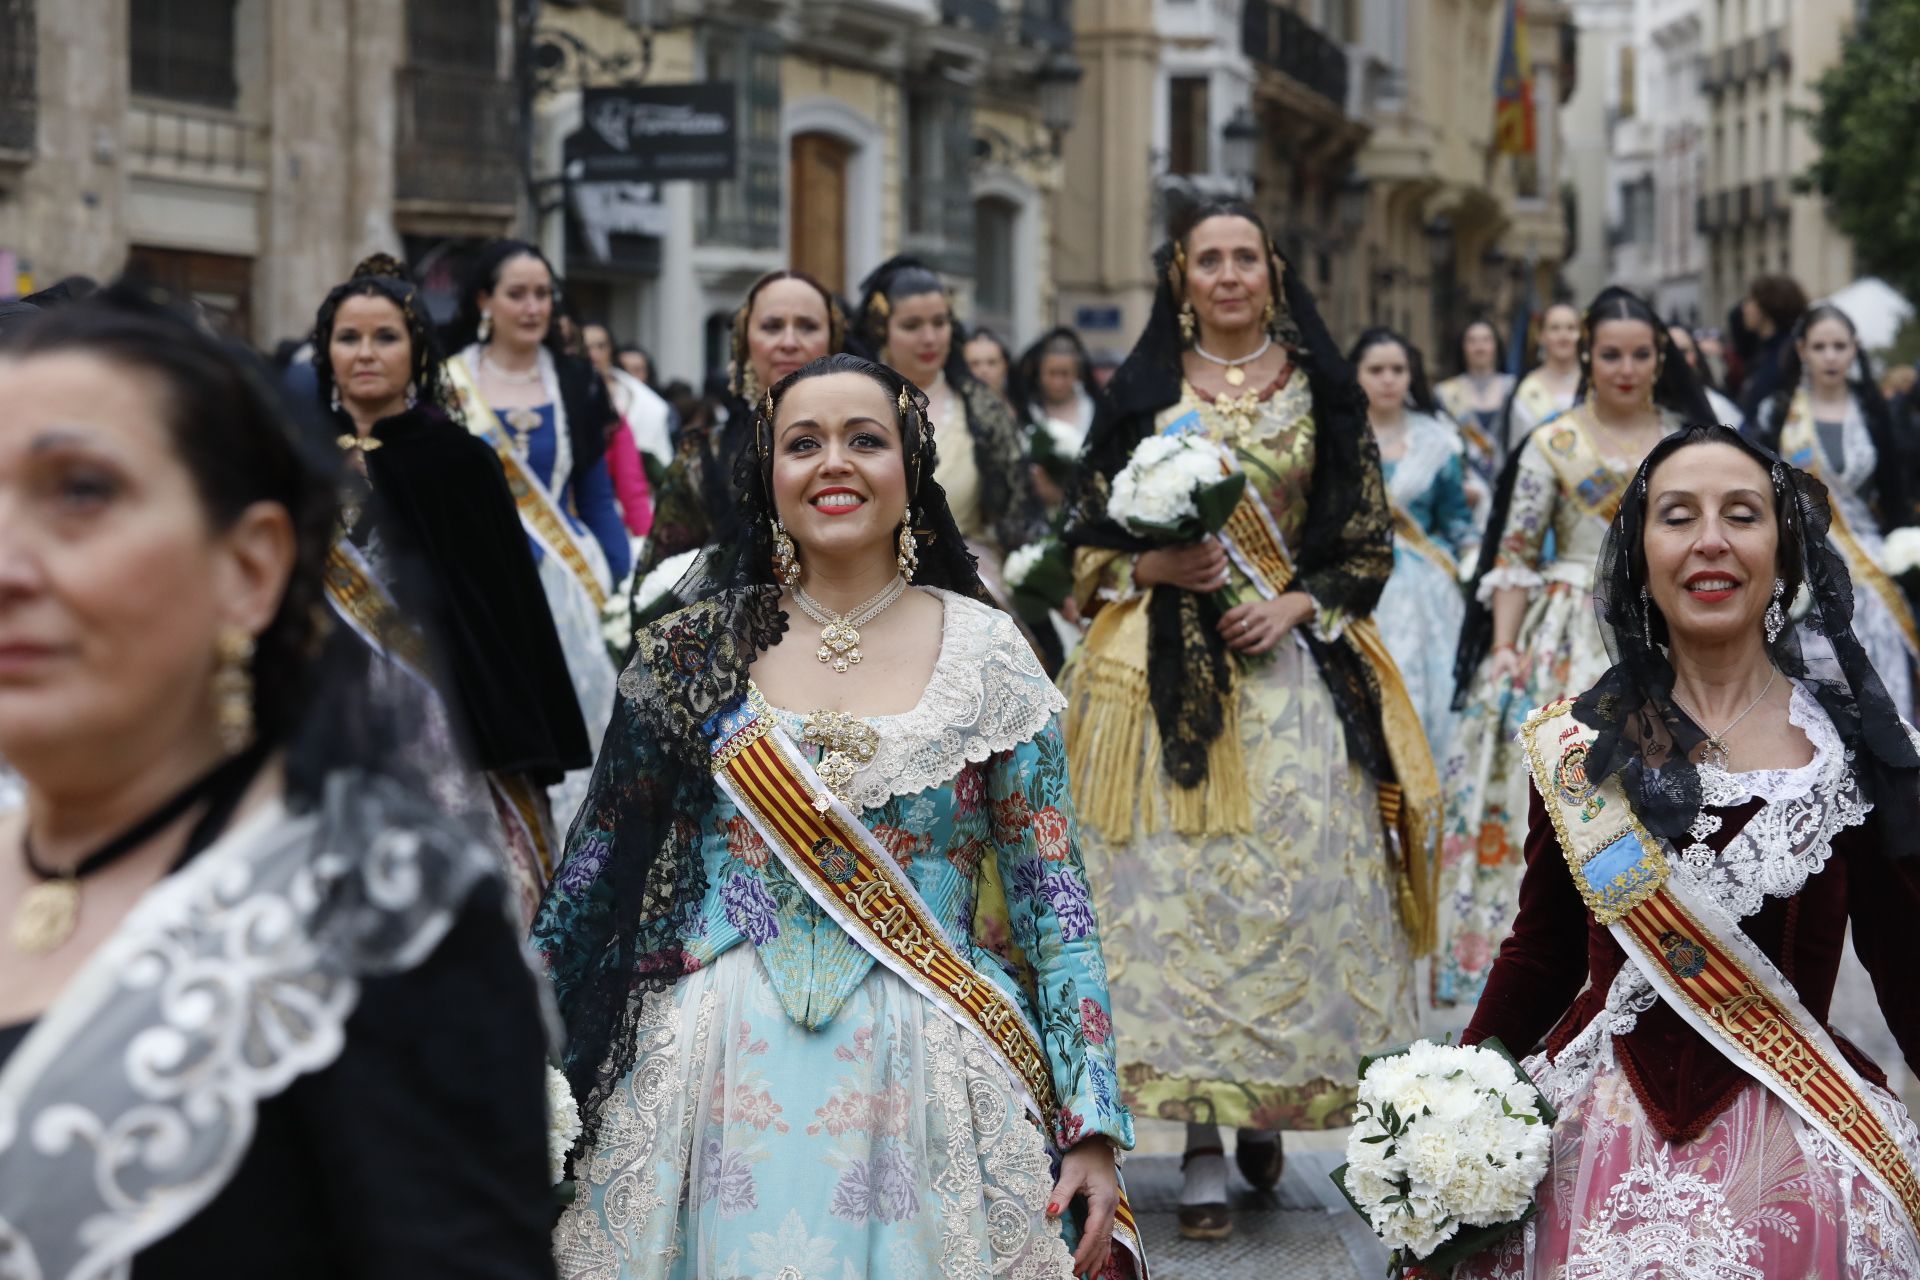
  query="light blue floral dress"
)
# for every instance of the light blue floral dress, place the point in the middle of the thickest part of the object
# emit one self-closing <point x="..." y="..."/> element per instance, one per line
<point x="1423" y="606"/>
<point x="797" y="1111"/>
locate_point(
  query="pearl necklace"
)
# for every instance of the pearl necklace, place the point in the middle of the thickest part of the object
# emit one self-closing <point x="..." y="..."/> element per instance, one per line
<point x="1234" y="375"/>
<point x="507" y="375"/>
<point x="839" y="632"/>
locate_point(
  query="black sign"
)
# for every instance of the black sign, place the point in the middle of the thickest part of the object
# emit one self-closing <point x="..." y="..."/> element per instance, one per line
<point x="658" y="133"/>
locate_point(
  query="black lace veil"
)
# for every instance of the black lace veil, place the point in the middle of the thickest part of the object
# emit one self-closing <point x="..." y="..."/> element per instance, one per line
<point x="1647" y="739"/>
<point x="609" y="928"/>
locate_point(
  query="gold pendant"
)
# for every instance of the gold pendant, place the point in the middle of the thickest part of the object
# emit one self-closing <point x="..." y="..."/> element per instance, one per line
<point x="1714" y="752"/>
<point x="1235" y="376"/>
<point x="847" y="746"/>
<point x="46" y="916"/>
<point x="839" y="645"/>
<point x="523" y="423"/>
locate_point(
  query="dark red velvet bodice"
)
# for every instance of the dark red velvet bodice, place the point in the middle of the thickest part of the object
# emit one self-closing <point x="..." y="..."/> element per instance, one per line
<point x="1682" y="1081"/>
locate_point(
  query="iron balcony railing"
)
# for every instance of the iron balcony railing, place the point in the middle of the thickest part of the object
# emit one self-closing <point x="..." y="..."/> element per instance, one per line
<point x="1282" y="40"/>
<point x="458" y="138"/>
<point x="984" y="16"/>
<point x="1047" y="23"/>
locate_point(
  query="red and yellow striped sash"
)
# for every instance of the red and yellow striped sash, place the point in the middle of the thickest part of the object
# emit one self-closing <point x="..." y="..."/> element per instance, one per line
<point x="845" y="870"/>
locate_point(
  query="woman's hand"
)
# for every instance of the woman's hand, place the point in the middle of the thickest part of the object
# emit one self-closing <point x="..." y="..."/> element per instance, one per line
<point x="1199" y="567"/>
<point x="1257" y="626"/>
<point x="1088" y="1170"/>
<point x="1508" y="664"/>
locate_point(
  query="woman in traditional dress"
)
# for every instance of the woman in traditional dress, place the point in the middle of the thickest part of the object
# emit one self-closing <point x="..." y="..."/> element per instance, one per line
<point x="1422" y="608"/>
<point x="1529" y="636"/>
<point x="1235" y="725"/>
<point x="1551" y="386"/>
<point x="798" y="1042"/>
<point x="1705" y="822"/>
<point x="265" y="1011"/>
<point x="787" y="320"/>
<point x="1725" y="411"/>
<point x="1830" y="420"/>
<point x="1476" y="397"/>
<point x="548" y="419"/>
<point x="642" y="444"/>
<point x="989" y="360"/>
<point x="905" y="321"/>
<point x="429" y="535"/>
<point x="1056" y="384"/>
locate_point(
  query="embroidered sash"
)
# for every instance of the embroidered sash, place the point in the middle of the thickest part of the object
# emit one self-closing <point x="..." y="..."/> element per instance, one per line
<point x="1410" y="806"/>
<point x="1585" y="479"/>
<point x="1800" y="446"/>
<point x="849" y="875"/>
<point x="538" y="508"/>
<point x="1533" y="395"/>
<point x="1418" y="541"/>
<point x="363" y="603"/>
<point x="1699" y="960"/>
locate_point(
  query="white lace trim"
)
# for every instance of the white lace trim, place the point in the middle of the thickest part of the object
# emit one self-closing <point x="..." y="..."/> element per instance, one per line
<point x="1430" y="444"/>
<point x="1724" y="789"/>
<point x="1511" y="575"/>
<point x="988" y="694"/>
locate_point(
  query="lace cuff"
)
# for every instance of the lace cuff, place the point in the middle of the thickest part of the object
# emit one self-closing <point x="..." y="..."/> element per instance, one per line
<point x="1508" y="575"/>
<point x="1327" y="624"/>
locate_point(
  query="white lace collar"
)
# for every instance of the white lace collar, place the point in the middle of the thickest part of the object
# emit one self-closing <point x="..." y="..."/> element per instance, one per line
<point x="1790" y="839"/>
<point x="988" y="693"/>
<point x="1723" y="789"/>
<point x="1430" y="444"/>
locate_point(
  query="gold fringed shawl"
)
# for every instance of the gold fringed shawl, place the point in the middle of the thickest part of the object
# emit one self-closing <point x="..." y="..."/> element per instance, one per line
<point x="1113" y="742"/>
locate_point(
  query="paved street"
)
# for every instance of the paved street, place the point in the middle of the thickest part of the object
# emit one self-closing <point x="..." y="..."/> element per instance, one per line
<point x="1304" y="1231"/>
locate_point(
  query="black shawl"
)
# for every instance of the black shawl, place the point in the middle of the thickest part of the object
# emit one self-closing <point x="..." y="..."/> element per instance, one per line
<point x="441" y="503"/>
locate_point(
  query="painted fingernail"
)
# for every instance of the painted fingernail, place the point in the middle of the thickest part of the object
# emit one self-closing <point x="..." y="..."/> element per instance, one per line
<point x="1053" y="1210"/>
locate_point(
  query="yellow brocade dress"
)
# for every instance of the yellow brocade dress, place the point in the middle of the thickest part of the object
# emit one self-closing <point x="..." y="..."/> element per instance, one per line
<point x="1250" y="968"/>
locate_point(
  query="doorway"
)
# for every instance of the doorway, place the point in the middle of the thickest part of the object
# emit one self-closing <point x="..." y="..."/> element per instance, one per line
<point x="818" y="228"/>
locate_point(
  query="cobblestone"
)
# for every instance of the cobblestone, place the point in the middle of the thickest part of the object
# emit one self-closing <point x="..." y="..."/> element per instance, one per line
<point x="1296" y="1233"/>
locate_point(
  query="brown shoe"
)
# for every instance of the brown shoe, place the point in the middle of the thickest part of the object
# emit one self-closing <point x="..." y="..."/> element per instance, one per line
<point x="1261" y="1162"/>
<point x="1205" y="1222"/>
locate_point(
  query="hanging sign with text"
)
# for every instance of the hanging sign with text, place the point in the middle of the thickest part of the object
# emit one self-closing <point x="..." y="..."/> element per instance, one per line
<point x="658" y="133"/>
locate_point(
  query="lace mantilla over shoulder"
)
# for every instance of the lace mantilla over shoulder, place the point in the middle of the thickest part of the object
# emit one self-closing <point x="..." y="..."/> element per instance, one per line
<point x="1791" y="837"/>
<point x="133" y="1100"/>
<point x="988" y="694"/>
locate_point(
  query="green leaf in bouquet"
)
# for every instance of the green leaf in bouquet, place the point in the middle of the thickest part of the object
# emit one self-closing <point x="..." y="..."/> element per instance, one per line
<point x="1051" y="577"/>
<point x="1167" y="535"/>
<point x="1215" y="502"/>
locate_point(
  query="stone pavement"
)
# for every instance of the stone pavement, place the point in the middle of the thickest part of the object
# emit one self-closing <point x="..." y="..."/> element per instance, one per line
<point x="1302" y="1231"/>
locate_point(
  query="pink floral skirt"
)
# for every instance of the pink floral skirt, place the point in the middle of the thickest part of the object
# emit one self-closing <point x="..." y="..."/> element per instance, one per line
<point x="1759" y="1194"/>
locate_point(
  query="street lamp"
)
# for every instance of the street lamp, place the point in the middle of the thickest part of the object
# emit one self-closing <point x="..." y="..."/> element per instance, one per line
<point x="1059" y="81"/>
<point x="1237" y="138"/>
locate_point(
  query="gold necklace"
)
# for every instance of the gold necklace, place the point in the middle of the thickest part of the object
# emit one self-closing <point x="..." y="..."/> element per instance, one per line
<point x="840" y="633"/>
<point x="1716" y="753"/>
<point x="523" y="423"/>
<point x="847" y="746"/>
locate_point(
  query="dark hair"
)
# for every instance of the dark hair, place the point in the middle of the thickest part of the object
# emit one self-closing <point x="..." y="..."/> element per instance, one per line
<point x="234" y="433"/>
<point x="1675" y="387"/>
<point x="1023" y="383"/>
<point x="483" y="276"/>
<point x="1419" y="391"/>
<point x="743" y="318"/>
<point x="1781" y="299"/>
<point x="886" y="286"/>
<point x="381" y="276"/>
<point x="1460" y="347"/>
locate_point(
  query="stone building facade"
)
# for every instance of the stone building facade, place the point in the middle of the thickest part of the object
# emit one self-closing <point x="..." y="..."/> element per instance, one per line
<point x="247" y="152"/>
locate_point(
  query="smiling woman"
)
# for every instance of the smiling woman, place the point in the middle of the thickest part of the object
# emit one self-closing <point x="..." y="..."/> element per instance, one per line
<point x="1751" y="793"/>
<point x="785" y="854"/>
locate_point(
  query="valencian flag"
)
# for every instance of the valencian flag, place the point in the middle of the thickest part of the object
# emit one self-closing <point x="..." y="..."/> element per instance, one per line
<point x="1513" y="90"/>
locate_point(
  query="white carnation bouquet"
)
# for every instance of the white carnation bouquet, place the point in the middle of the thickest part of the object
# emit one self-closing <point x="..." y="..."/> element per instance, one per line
<point x="1175" y="488"/>
<point x="1448" y="1144"/>
<point x="563" y="1129"/>
<point x="630" y="607"/>
<point x="1900" y="554"/>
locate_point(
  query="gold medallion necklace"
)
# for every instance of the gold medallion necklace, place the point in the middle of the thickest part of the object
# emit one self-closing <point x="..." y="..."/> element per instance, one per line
<point x="840" y="633"/>
<point x="847" y="745"/>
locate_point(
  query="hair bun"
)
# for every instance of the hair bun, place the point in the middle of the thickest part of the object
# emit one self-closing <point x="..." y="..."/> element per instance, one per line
<point x="379" y="264"/>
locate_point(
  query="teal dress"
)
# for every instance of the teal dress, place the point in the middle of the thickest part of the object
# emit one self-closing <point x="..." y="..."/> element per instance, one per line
<point x="796" y="1109"/>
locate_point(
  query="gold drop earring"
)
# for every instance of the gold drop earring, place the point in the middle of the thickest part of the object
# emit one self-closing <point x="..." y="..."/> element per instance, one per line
<point x="786" y="559"/>
<point x="233" y="688"/>
<point x="909" y="556"/>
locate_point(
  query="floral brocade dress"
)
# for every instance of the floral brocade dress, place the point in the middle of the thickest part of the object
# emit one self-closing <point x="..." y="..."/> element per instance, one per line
<point x="796" y="1111"/>
<point x="1565" y="487"/>
<point x="1422" y="608"/>
<point x="1250" y="969"/>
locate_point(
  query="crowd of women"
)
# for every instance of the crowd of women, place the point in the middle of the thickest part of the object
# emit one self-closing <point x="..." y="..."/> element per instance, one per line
<point x="860" y="912"/>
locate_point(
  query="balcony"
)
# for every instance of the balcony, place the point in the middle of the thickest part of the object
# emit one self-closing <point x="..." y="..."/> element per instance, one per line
<point x="1703" y="214"/>
<point x="1709" y="79"/>
<point x="1047" y="24"/>
<point x="1743" y="203"/>
<point x="1283" y="41"/>
<point x="983" y="16"/>
<point x="1773" y="202"/>
<point x="1779" y="57"/>
<point x="1723" y="209"/>
<point x="182" y="139"/>
<point x="19" y="96"/>
<point x="457" y="140"/>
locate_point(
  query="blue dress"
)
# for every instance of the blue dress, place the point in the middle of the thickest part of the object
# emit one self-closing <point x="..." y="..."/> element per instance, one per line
<point x="592" y="507"/>
<point x="795" y="1108"/>
<point x="1423" y="606"/>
